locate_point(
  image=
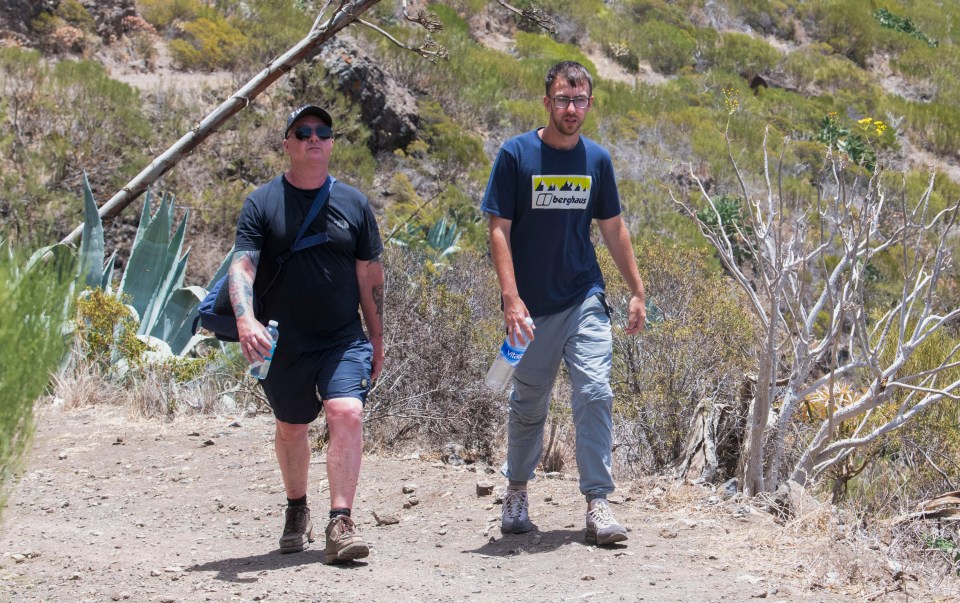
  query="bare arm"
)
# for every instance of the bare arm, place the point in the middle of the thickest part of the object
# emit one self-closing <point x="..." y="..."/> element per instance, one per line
<point x="514" y="310"/>
<point x="254" y="340"/>
<point x="617" y="239"/>
<point x="370" y="279"/>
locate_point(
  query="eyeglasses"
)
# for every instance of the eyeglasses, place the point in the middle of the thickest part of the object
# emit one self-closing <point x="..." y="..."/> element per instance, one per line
<point x="305" y="132"/>
<point x="562" y="102"/>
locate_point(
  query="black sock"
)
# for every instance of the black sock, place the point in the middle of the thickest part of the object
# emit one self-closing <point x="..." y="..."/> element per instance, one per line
<point x="335" y="512"/>
<point x="297" y="502"/>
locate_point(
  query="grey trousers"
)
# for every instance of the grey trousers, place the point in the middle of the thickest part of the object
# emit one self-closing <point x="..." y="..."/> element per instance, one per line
<point x="581" y="337"/>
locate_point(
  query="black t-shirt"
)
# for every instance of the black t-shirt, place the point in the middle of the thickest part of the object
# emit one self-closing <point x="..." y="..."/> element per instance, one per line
<point x="315" y="298"/>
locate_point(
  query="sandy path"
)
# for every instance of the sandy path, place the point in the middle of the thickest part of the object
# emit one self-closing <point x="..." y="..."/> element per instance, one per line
<point x="112" y="508"/>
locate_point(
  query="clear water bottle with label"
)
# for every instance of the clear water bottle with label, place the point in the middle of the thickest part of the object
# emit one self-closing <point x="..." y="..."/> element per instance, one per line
<point x="260" y="369"/>
<point x="508" y="357"/>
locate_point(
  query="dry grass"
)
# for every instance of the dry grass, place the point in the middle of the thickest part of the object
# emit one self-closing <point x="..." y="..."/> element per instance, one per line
<point x="83" y="385"/>
<point x="833" y="547"/>
<point x="155" y="392"/>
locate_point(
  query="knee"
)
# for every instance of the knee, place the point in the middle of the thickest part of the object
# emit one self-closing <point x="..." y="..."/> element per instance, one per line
<point x="597" y="393"/>
<point x="529" y="414"/>
<point x="344" y="414"/>
<point x="291" y="432"/>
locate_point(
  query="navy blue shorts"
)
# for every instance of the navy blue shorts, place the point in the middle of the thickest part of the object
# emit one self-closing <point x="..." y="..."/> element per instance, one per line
<point x="299" y="382"/>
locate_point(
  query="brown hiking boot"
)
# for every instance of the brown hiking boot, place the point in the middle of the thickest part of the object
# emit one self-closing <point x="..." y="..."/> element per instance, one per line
<point x="297" y="530"/>
<point x="343" y="541"/>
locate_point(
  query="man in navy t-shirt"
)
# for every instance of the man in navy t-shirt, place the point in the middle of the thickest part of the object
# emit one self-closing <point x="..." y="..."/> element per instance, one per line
<point x="546" y="188"/>
<point x="323" y="359"/>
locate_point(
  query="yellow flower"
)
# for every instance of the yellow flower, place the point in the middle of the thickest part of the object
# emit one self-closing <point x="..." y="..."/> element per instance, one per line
<point x="865" y="121"/>
<point x="730" y="100"/>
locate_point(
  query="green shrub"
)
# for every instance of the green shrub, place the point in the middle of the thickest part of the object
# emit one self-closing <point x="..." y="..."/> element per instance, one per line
<point x="835" y="75"/>
<point x="800" y="67"/>
<point x="583" y="13"/>
<point x="208" y="44"/>
<point x="107" y="330"/>
<point x="847" y="26"/>
<point x="774" y="18"/>
<point x="34" y="305"/>
<point x="456" y="150"/>
<point x="272" y="27"/>
<point x="75" y="14"/>
<point x="744" y="54"/>
<point x="548" y="52"/>
<point x="671" y="13"/>
<point x="729" y="211"/>
<point x="58" y="119"/>
<point x="164" y="13"/>
<point x="936" y="125"/>
<point x="667" y="48"/>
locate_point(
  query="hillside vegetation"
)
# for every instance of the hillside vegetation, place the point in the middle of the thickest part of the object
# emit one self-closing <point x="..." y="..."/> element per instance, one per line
<point x="827" y="94"/>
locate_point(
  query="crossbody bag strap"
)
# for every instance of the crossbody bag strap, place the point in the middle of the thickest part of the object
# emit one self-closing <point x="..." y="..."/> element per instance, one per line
<point x="301" y="242"/>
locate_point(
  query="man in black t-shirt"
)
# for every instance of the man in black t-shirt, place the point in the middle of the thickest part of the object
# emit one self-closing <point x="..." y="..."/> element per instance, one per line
<point x="323" y="359"/>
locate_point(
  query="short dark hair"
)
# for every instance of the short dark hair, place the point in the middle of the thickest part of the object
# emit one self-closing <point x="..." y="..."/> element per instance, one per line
<point x="575" y="74"/>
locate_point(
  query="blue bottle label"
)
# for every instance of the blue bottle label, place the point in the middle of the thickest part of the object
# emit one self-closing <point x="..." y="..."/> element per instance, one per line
<point x="511" y="354"/>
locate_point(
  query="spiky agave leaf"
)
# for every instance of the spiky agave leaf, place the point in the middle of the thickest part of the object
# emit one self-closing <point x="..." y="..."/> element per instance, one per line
<point x="91" y="245"/>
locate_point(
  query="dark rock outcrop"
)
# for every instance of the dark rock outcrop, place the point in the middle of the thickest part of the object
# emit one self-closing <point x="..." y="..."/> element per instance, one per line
<point x="16" y="15"/>
<point x="109" y="15"/>
<point x="389" y="109"/>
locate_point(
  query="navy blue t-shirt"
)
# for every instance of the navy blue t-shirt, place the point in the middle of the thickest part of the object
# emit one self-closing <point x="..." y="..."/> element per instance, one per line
<point x="316" y="297"/>
<point x="551" y="196"/>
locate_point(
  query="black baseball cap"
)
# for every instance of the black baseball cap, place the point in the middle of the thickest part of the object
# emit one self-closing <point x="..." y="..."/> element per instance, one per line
<point x="304" y="111"/>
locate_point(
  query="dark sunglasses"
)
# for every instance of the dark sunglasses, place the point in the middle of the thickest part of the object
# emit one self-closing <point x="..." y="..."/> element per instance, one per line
<point x="305" y="132"/>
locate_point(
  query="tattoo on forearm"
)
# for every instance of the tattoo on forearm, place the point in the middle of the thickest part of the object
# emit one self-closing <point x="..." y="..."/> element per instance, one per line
<point x="242" y="270"/>
<point x="378" y="299"/>
<point x="253" y="257"/>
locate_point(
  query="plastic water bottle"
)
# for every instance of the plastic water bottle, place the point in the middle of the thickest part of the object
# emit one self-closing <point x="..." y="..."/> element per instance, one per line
<point x="260" y="369"/>
<point x="501" y="371"/>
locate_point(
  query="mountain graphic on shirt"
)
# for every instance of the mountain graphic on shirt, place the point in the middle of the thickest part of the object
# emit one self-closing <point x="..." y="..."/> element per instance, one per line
<point x="561" y="192"/>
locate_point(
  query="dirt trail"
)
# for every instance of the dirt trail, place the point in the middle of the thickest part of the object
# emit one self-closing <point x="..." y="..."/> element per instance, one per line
<point x="114" y="508"/>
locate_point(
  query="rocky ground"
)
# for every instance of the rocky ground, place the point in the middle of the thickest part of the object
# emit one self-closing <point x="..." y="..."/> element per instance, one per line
<point x="115" y="508"/>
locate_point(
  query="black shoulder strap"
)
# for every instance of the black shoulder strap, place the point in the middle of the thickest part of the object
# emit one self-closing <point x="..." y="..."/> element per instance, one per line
<point x="301" y="243"/>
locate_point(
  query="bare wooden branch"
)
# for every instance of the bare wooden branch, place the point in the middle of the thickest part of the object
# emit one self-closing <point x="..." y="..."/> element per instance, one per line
<point x="534" y="14"/>
<point x="429" y="50"/>
<point x="424" y="18"/>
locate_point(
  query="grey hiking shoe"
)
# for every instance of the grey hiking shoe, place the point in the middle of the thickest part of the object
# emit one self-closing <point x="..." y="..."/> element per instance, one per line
<point x="602" y="528"/>
<point x="297" y="530"/>
<point x="343" y="541"/>
<point x="514" y="518"/>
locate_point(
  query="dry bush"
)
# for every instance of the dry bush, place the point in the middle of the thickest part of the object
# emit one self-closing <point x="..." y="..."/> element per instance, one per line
<point x="110" y="364"/>
<point x="442" y="328"/>
<point x="162" y="390"/>
<point x="929" y="549"/>
<point x="696" y="353"/>
<point x="84" y="384"/>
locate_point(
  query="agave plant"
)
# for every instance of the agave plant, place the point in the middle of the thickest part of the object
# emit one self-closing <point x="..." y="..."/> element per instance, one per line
<point x="443" y="237"/>
<point x="153" y="277"/>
